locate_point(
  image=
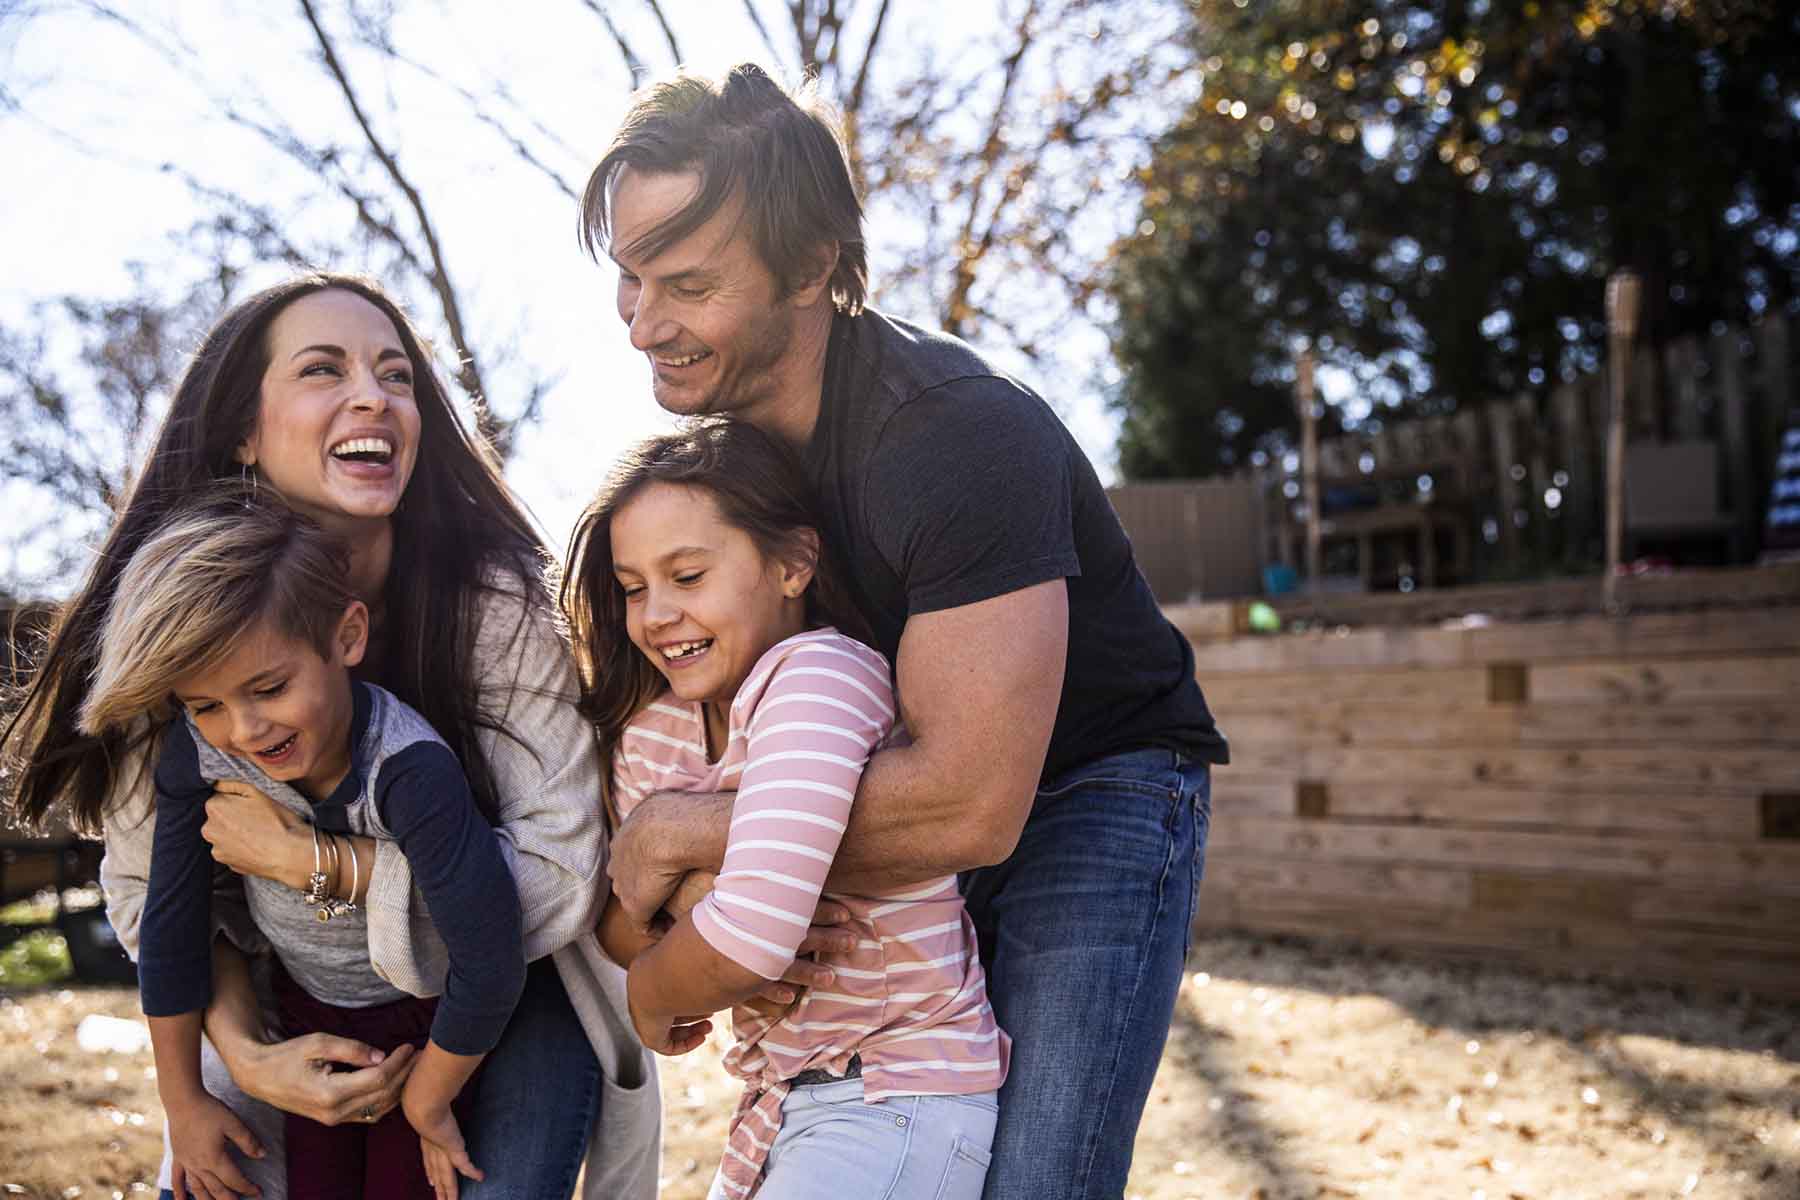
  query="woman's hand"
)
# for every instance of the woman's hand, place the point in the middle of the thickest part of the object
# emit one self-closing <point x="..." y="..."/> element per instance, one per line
<point x="253" y="835"/>
<point x="296" y="1076"/>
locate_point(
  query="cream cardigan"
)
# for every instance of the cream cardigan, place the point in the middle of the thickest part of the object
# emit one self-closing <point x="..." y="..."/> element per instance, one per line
<point x="554" y="838"/>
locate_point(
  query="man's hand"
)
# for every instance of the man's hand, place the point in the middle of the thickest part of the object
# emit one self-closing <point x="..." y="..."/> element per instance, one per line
<point x="201" y="1132"/>
<point x="665" y="837"/>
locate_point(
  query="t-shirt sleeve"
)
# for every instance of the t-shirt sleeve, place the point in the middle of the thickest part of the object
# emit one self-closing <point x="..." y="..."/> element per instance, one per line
<point x="825" y="708"/>
<point x="968" y="494"/>
<point x="424" y="798"/>
<point x="175" y="950"/>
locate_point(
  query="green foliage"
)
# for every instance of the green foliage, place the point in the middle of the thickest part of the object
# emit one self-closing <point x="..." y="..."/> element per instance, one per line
<point x="39" y="958"/>
<point x="1433" y="194"/>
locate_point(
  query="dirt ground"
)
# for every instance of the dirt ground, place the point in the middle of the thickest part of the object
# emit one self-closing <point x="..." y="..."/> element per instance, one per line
<point x="1293" y="1071"/>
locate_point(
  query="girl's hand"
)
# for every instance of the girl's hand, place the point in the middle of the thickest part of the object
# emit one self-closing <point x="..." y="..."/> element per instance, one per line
<point x="673" y="1036"/>
<point x="445" y="1154"/>
<point x="201" y="1133"/>
<point x="253" y="835"/>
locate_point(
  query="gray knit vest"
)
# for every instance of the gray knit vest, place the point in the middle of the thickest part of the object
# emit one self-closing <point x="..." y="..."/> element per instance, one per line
<point x="329" y="959"/>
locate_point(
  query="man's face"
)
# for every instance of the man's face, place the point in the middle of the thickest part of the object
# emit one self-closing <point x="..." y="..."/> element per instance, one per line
<point x="706" y="311"/>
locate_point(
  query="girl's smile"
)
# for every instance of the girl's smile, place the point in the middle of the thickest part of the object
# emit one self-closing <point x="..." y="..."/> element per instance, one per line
<point x="702" y="601"/>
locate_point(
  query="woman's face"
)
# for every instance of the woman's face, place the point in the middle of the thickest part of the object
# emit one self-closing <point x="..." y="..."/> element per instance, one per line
<point x="337" y="432"/>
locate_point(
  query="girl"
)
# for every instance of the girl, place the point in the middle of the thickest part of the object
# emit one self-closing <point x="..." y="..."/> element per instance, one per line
<point x="321" y="388"/>
<point x="237" y="614"/>
<point x="702" y="609"/>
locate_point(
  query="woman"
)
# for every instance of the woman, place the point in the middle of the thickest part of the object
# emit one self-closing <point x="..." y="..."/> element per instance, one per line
<point x="320" y="389"/>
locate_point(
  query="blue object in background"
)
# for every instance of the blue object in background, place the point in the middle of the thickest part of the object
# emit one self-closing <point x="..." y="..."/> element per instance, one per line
<point x="1280" y="579"/>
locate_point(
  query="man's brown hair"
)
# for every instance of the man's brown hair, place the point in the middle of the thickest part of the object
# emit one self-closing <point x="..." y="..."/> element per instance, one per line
<point x="753" y="142"/>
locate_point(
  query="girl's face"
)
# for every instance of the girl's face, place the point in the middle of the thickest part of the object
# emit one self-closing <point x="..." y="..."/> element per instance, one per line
<point x="701" y="600"/>
<point x="276" y="702"/>
<point x="337" y="432"/>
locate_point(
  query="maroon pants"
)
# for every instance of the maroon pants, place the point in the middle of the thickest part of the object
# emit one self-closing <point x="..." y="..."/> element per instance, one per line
<point x="357" y="1159"/>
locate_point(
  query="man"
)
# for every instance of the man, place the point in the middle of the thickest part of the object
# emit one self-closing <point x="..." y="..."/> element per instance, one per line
<point x="1060" y="747"/>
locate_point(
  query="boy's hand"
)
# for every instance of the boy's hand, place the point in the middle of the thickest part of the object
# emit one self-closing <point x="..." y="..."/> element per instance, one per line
<point x="200" y="1133"/>
<point x="441" y="1144"/>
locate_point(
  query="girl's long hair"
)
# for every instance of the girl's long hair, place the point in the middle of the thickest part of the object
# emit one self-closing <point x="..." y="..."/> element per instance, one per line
<point x="458" y="532"/>
<point x="759" y="487"/>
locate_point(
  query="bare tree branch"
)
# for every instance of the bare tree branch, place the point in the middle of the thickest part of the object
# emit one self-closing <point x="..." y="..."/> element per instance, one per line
<point x="854" y="101"/>
<point x="762" y="30"/>
<point x="655" y="7"/>
<point x="481" y="109"/>
<point x="969" y="253"/>
<point x="468" y="375"/>
<point x="633" y="63"/>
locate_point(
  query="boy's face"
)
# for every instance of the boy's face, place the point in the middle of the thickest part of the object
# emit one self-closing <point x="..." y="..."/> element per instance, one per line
<point x="276" y="702"/>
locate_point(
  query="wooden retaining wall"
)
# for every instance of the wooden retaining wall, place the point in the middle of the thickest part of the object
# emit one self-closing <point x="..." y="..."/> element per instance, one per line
<point x="1616" y="795"/>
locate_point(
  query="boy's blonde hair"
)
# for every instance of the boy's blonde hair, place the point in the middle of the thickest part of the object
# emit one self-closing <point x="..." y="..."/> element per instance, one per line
<point x="232" y="557"/>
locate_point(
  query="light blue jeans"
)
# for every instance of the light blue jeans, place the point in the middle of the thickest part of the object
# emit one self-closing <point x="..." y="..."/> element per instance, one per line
<point x="833" y="1144"/>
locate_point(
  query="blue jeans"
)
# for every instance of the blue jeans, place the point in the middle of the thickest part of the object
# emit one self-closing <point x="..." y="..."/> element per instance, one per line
<point x="537" y="1099"/>
<point x="1084" y="931"/>
<point x="833" y="1145"/>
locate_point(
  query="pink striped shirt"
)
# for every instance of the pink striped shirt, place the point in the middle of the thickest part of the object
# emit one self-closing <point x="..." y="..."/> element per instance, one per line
<point x="911" y="997"/>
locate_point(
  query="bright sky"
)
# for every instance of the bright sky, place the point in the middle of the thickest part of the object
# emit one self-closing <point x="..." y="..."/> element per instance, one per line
<point x="103" y="113"/>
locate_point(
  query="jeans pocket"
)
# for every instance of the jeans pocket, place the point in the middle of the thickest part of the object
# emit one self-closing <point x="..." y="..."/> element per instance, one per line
<point x="966" y="1172"/>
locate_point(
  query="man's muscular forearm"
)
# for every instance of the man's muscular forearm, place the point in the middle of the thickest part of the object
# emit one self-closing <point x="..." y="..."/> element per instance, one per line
<point x="896" y="836"/>
<point x="954" y="799"/>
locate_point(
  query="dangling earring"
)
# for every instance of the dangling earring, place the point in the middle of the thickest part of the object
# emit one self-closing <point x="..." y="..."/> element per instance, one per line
<point x="250" y="481"/>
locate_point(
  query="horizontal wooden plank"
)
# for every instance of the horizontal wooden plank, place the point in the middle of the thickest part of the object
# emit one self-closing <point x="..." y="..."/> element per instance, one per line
<point x="1690" y="588"/>
<point x="1209" y="621"/>
<point x="1408" y="722"/>
<point x="1614" y="949"/>
<point x="1685" y="813"/>
<point x="1228" y="693"/>
<point x="1721" y="723"/>
<point x="1771" y="676"/>
<point x="1666" y="768"/>
<point x="1762" y="864"/>
<point x="1249" y="794"/>
<point x="1355" y="882"/>
<point x="1711" y="633"/>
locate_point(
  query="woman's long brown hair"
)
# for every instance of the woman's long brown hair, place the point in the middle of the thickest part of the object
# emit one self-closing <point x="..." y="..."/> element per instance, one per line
<point x="457" y="532"/>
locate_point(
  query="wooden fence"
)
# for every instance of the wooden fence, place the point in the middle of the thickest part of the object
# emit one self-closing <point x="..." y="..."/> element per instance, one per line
<point x="1510" y="489"/>
<point x="1195" y="539"/>
<point x="1616" y="795"/>
<point x="1517" y="486"/>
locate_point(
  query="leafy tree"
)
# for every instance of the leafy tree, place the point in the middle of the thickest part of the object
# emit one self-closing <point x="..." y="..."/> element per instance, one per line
<point x="1433" y="195"/>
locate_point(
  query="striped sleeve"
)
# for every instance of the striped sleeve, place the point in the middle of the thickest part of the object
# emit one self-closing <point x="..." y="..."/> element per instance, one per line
<point x="821" y="712"/>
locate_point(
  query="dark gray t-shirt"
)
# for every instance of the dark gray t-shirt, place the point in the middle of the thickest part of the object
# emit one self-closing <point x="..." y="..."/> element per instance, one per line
<point x="943" y="483"/>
